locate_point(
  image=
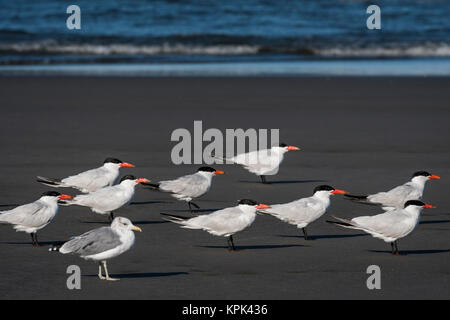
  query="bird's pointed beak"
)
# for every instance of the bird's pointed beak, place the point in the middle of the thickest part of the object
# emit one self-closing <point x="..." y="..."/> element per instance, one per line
<point x="142" y="180"/>
<point x="219" y="172"/>
<point x="429" y="206"/>
<point x="433" y="176"/>
<point x="64" y="197"/>
<point x="136" y="229"/>
<point x="126" y="164"/>
<point x="338" y="191"/>
<point x="292" y="148"/>
<point x="262" y="206"/>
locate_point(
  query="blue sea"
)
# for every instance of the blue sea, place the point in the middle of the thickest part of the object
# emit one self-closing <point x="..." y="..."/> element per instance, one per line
<point x="232" y="37"/>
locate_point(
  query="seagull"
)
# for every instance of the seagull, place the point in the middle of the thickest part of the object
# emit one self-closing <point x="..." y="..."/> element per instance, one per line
<point x="91" y="180"/>
<point x="102" y="244"/>
<point x="225" y="222"/>
<point x="188" y="187"/>
<point x="389" y="226"/>
<point x="34" y="216"/>
<point x="395" y="198"/>
<point x="262" y="162"/>
<point x="306" y="210"/>
<point x="108" y="199"/>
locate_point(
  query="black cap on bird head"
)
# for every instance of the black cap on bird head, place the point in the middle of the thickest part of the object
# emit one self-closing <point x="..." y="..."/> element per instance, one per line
<point x="112" y="160"/>
<point x="248" y="202"/>
<point x="323" y="187"/>
<point x="127" y="177"/>
<point x="414" y="203"/>
<point x="421" y="173"/>
<point x="206" y="169"/>
<point x="51" y="194"/>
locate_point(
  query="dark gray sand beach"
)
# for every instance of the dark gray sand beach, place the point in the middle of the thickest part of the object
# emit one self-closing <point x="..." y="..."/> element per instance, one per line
<point x="362" y="135"/>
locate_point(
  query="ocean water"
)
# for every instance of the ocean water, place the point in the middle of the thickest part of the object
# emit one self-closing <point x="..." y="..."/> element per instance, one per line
<point x="253" y="32"/>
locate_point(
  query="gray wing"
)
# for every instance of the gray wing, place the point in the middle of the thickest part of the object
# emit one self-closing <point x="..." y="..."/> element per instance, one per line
<point x="299" y="211"/>
<point x="92" y="242"/>
<point x="90" y="180"/>
<point x="395" y="197"/>
<point x="192" y="185"/>
<point x="28" y="215"/>
<point x="389" y="224"/>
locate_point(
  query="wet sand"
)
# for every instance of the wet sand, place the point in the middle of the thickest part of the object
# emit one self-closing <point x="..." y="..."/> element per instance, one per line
<point x="359" y="134"/>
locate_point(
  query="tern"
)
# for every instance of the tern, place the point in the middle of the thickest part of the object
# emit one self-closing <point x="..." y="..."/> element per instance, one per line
<point x="304" y="211"/>
<point x="188" y="187"/>
<point x="262" y="162"/>
<point x="389" y="226"/>
<point x="225" y="222"/>
<point x="102" y="244"/>
<point x="34" y="216"/>
<point x="108" y="199"/>
<point x="91" y="180"/>
<point x="396" y="198"/>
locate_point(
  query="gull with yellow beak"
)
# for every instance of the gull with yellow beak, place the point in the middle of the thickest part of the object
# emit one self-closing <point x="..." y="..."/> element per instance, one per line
<point x="102" y="244"/>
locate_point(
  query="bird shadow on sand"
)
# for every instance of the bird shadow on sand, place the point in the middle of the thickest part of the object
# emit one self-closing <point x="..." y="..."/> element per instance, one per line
<point x="326" y="236"/>
<point x="239" y="248"/>
<point x="146" y="202"/>
<point x="197" y="211"/>
<point x="42" y="244"/>
<point x="142" y="275"/>
<point x="411" y="252"/>
<point x="434" y="221"/>
<point x="9" y="205"/>
<point x="281" y="181"/>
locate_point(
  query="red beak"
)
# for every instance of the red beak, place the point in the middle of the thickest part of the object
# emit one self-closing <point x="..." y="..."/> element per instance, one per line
<point x="428" y="206"/>
<point x="433" y="176"/>
<point x="292" y="148"/>
<point x="338" y="191"/>
<point x="262" y="206"/>
<point x="219" y="172"/>
<point x="64" y="196"/>
<point x="142" y="180"/>
<point x="126" y="164"/>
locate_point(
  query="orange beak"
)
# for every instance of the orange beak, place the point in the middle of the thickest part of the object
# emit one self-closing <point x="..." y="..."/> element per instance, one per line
<point x="433" y="176"/>
<point x="338" y="191"/>
<point x="428" y="206"/>
<point x="219" y="172"/>
<point x="292" y="148"/>
<point x="142" y="180"/>
<point x="126" y="164"/>
<point x="64" y="196"/>
<point x="262" y="206"/>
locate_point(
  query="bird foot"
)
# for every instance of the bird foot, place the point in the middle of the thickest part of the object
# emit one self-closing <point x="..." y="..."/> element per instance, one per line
<point x="112" y="279"/>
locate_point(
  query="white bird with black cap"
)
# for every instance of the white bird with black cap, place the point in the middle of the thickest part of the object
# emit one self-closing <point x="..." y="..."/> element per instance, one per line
<point x="304" y="211"/>
<point x="396" y="198"/>
<point x="389" y="226"/>
<point x="102" y="244"/>
<point x="262" y="162"/>
<point x="91" y="180"/>
<point x="225" y="222"/>
<point x="108" y="199"/>
<point x="188" y="187"/>
<point x="34" y="216"/>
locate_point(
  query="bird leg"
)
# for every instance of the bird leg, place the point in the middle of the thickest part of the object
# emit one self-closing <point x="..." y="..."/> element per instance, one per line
<point x="100" y="276"/>
<point x="111" y="216"/>
<point x="34" y="239"/>
<point x="397" y="253"/>
<point x="231" y="244"/>
<point x="305" y="234"/>
<point x="107" y="274"/>
<point x="263" y="179"/>
<point x="190" y="203"/>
